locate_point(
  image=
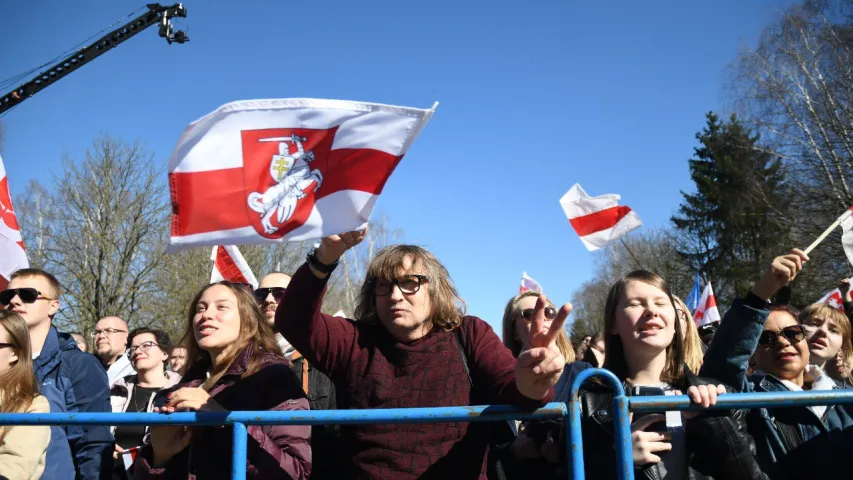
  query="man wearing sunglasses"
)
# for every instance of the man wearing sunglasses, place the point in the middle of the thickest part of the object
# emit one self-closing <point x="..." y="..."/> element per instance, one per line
<point x="317" y="386"/>
<point x="72" y="381"/>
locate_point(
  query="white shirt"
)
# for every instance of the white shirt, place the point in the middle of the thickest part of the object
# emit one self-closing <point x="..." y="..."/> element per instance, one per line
<point x="285" y="346"/>
<point x="119" y="369"/>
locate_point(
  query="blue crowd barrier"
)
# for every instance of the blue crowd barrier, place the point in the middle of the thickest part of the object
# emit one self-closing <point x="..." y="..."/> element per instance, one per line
<point x="622" y="405"/>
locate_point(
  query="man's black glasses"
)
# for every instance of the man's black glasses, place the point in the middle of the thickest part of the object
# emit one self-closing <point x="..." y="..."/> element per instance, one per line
<point x="793" y="333"/>
<point x="408" y="284"/>
<point x="276" y="292"/>
<point x="27" y="295"/>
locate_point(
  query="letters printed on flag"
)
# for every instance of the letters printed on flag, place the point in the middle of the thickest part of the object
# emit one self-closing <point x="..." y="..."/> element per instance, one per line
<point x="262" y="171"/>
<point x="13" y="257"/>
<point x="599" y="221"/>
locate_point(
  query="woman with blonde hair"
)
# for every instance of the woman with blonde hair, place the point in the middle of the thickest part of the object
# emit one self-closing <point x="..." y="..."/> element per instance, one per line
<point x="694" y="349"/>
<point x="22" y="448"/>
<point x="828" y="333"/>
<point x="516" y="324"/>
<point x="234" y="365"/>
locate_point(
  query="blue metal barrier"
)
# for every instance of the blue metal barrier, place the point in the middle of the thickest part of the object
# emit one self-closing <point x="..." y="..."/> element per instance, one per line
<point x="240" y="420"/>
<point x="622" y="405"/>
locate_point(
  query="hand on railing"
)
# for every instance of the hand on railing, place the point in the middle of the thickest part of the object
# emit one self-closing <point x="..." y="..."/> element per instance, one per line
<point x="705" y="395"/>
<point x="540" y="363"/>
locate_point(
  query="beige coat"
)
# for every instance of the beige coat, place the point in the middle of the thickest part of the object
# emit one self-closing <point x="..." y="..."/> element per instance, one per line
<point x="24" y="448"/>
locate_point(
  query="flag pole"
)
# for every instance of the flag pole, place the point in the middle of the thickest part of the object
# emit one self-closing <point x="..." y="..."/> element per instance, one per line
<point x="631" y="253"/>
<point x="829" y="230"/>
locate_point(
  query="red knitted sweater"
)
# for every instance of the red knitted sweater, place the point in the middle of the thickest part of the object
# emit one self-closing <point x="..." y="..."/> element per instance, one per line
<point x="370" y="369"/>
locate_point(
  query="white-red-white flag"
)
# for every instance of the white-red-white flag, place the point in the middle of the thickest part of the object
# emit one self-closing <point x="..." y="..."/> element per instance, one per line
<point x="128" y="457"/>
<point x="229" y="264"/>
<point x="834" y="298"/>
<point x="847" y="236"/>
<point x="263" y="171"/>
<point x="707" y="312"/>
<point x="528" y="284"/>
<point x="598" y="220"/>
<point x="13" y="257"/>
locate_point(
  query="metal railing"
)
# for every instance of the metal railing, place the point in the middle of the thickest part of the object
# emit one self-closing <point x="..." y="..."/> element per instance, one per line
<point x="621" y="405"/>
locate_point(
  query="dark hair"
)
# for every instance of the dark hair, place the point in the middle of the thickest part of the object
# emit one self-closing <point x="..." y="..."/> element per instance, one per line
<point x="588" y="355"/>
<point x="778" y="307"/>
<point x="37" y="272"/>
<point x="162" y="337"/>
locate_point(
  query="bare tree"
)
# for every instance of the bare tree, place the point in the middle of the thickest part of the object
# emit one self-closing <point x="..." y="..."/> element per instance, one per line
<point x="99" y="232"/>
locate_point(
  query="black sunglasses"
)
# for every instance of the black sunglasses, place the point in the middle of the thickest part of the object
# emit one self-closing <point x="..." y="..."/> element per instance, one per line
<point x="528" y="313"/>
<point x="793" y="333"/>
<point x="408" y="284"/>
<point x="27" y="295"/>
<point x="276" y="292"/>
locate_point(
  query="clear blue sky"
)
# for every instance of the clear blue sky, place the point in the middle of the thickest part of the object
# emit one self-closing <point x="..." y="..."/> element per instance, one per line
<point x="534" y="97"/>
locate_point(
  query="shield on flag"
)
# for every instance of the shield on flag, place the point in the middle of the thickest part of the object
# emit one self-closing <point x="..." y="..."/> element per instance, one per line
<point x="283" y="170"/>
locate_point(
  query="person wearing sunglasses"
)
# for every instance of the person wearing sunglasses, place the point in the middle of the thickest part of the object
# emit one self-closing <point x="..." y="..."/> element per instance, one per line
<point x="317" y="385"/>
<point x="71" y="380"/>
<point x="147" y="352"/>
<point x="793" y="441"/>
<point x="410" y="344"/>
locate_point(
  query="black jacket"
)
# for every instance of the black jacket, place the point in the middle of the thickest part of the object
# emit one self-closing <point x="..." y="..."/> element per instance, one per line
<point x="718" y="446"/>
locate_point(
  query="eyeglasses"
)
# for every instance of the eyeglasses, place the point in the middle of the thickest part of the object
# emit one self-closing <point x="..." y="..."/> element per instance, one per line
<point x="528" y="313"/>
<point x="276" y="292"/>
<point x="408" y="284"/>
<point x="27" y="295"/>
<point x="107" y="331"/>
<point x="793" y="334"/>
<point x="143" y="347"/>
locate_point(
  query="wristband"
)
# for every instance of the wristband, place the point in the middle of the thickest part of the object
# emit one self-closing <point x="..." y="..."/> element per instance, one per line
<point x="319" y="266"/>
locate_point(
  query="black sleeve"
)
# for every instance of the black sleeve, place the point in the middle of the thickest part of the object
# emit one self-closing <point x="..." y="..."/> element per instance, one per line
<point x="848" y="310"/>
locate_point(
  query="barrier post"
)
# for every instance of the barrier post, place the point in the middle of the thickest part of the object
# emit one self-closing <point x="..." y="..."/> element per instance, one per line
<point x="621" y="425"/>
<point x="238" y="462"/>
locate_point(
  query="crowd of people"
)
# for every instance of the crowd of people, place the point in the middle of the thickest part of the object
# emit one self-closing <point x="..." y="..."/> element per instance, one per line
<point x="410" y="343"/>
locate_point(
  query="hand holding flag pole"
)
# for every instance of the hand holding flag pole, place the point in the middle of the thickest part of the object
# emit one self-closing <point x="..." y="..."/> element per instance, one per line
<point x="835" y="224"/>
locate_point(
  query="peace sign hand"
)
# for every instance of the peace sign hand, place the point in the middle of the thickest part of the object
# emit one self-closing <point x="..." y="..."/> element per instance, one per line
<point x="540" y="363"/>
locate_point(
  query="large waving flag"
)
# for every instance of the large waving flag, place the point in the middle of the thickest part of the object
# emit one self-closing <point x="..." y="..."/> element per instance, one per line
<point x="600" y="220"/>
<point x="12" y="254"/>
<point x="528" y="284"/>
<point x="262" y="171"/>
<point x="229" y="264"/>
<point x="707" y="312"/>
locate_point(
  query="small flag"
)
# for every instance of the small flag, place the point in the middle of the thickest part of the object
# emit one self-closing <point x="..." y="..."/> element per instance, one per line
<point x="834" y="298"/>
<point x="528" y="284"/>
<point x="13" y="257"/>
<point x="128" y="457"/>
<point x="847" y="237"/>
<point x="692" y="300"/>
<point x="707" y="311"/>
<point x="229" y="264"/>
<point x="270" y="171"/>
<point x="598" y="220"/>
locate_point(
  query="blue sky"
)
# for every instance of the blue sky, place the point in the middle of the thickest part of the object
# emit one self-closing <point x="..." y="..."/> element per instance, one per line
<point x="534" y="97"/>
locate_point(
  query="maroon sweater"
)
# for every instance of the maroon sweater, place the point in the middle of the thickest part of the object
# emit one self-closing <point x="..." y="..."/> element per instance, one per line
<point x="370" y="369"/>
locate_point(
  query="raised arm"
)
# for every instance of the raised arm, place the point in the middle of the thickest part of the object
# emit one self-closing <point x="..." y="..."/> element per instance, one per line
<point x="737" y="336"/>
<point x="324" y="340"/>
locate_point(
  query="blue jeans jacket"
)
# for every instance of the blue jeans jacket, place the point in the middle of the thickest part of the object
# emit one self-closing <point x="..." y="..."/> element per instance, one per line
<point x="790" y="442"/>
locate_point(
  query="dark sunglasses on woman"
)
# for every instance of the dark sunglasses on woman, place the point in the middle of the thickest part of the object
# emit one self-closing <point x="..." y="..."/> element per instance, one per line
<point x="27" y="295"/>
<point x="277" y="293"/>
<point x="793" y="333"/>
<point x="528" y="313"/>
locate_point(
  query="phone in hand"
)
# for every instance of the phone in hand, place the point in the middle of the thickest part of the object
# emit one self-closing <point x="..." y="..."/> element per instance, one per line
<point x="643" y="391"/>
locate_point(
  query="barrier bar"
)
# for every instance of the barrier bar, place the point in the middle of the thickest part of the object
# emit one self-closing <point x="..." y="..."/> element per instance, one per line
<point x="239" y="451"/>
<point x="737" y="401"/>
<point x="621" y="423"/>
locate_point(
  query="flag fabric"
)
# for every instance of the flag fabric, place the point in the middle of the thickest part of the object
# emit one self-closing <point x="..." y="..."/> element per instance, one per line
<point x="707" y="312"/>
<point x="128" y="457"/>
<point x="692" y="300"/>
<point x="834" y="298"/>
<point x="229" y="264"/>
<point x="13" y="257"/>
<point x="600" y="220"/>
<point x="847" y="237"/>
<point x="266" y="171"/>
<point x="528" y="284"/>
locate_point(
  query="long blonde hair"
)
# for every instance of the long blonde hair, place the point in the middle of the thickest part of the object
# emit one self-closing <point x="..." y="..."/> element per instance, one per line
<point x="511" y="313"/>
<point x="614" y="360"/>
<point x="18" y="386"/>
<point x="693" y="354"/>
<point x="829" y="314"/>
<point x="253" y="329"/>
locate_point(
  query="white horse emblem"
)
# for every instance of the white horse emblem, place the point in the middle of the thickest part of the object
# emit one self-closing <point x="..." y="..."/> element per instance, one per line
<point x="292" y="175"/>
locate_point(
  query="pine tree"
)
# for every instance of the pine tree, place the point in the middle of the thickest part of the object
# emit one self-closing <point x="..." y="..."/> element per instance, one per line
<point x="731" y="228"/>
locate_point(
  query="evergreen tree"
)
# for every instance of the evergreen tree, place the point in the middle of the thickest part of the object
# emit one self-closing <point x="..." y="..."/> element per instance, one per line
<point x="731" y="227"/>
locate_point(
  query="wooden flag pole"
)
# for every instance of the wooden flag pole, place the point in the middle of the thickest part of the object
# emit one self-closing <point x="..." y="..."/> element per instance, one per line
<point x="829" y="230"/>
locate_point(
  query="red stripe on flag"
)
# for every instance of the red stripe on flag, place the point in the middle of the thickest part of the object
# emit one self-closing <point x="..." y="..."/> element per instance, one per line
<point x="227" y="267"/>
<point x="3" y="283"/>
<point x="217" y="199"/>
<point x="598" y="221"/>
